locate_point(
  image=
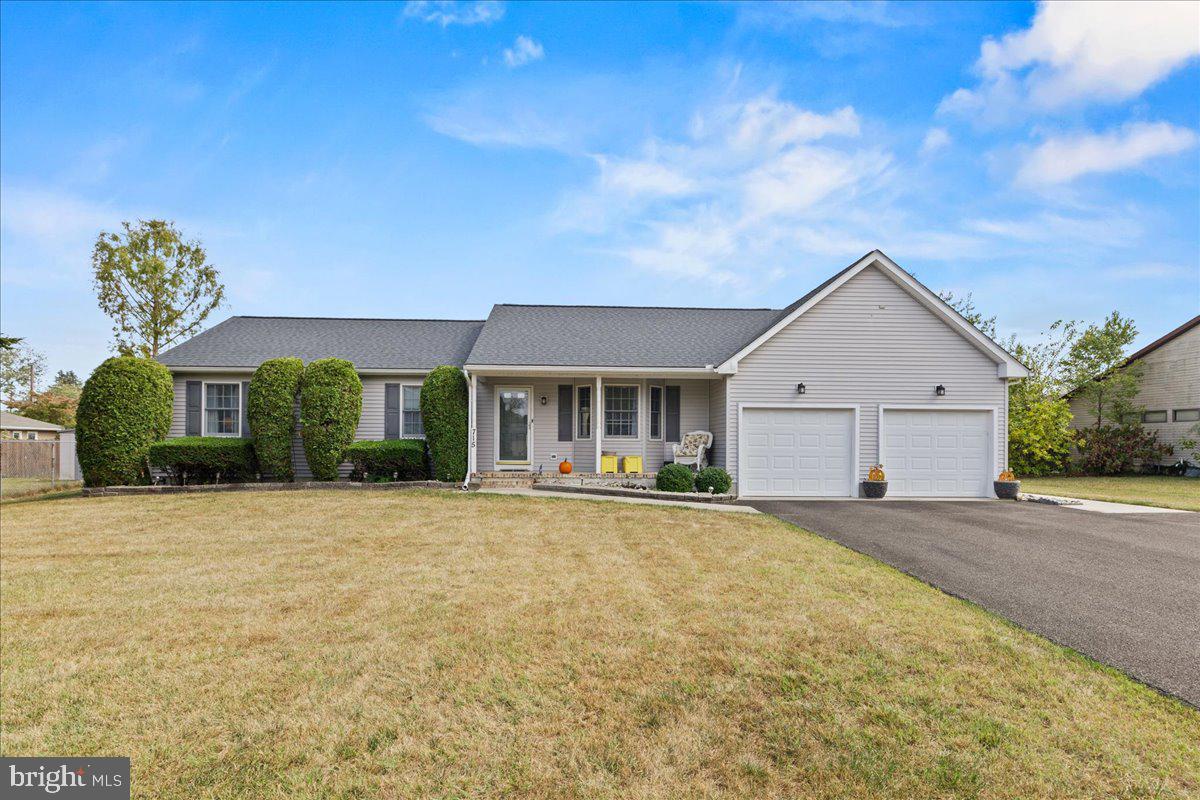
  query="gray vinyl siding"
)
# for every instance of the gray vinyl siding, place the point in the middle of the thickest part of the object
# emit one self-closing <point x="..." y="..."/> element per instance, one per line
<point x="547" y="451"/>
<point x="370" y="423"/>
<point x="716" y="416"/>
<point x="869" y="343"/>
<point x="1170" y="381"/>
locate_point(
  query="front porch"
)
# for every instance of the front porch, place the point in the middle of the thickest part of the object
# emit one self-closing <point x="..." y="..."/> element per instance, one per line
<point x="524" y="425"/>
<point x="512" y="479"/>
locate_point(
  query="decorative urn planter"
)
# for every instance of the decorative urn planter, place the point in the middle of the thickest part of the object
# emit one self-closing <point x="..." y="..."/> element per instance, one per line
<point x="1006" y="486"/>
<point x="564" y="467"/>
<point x="874" y="489"/>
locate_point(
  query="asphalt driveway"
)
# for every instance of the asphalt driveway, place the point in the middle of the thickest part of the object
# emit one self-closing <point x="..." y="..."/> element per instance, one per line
<point x="1121" y="588"/>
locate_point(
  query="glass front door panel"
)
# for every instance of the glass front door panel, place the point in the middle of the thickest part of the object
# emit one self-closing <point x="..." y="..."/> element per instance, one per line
<point x="514" y="425"/>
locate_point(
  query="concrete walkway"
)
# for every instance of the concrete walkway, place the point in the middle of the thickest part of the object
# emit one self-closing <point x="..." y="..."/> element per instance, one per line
<point x="1105" y="507"/>
<point x="645" y="501"/>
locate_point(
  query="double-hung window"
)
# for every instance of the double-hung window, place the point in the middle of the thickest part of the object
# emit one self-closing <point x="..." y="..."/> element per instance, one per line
<point x="222" y="409"/>
<point x="621" y="411"/>
<point x="410" y="414"/>
<point x="656" y="405"/>
<point x="584" y="412"/>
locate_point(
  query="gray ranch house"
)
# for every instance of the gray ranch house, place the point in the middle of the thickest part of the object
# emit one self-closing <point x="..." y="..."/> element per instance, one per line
<point x="869" y="367"/>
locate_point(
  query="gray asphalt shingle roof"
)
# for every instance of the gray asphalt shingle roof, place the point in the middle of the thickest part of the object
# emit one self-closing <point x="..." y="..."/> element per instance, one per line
<point x="15" y="422"/>
<point x="615" y="336"/>
<point x="512" y="335"/>
<point x="399" y="344"/>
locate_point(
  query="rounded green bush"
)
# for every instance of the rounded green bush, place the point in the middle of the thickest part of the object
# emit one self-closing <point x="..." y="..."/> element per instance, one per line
<point x="713" y="478"/>
<point x="271" y="412"/>
<point x="125" y="407"/>
<point x="330" y="405"/>
<point x="674" y="478"/>
<point x="444" y="412"/>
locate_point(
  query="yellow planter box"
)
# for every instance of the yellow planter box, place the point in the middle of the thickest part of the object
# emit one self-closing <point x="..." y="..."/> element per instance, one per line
<point x="608" y="464"/>
<point x="633" y="463"/>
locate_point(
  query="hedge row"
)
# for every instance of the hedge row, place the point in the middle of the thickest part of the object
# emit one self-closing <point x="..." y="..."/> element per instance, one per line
<point x="271" y="412"/>
<point x="389" y="460"/>
<point x="206" y="459"/>
<point x="125" y="414"/>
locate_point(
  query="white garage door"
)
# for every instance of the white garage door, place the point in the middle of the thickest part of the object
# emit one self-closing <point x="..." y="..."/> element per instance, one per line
<point x="792" y="452"/>
<point x="936" y="453"/>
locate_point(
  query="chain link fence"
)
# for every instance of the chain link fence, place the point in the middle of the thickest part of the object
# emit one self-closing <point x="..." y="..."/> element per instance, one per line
<point x="40" y="465"/>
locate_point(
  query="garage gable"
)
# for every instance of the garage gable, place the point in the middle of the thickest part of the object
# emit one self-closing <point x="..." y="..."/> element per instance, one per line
<point x="917" y="294"/>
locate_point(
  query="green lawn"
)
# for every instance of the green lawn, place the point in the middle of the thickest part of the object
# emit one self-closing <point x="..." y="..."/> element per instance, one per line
<point x="445" y="645"/>
<point x="1142" y="490"/>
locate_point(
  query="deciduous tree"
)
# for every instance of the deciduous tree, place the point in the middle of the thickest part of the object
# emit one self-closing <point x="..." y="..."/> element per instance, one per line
<point x="157" y="288"/>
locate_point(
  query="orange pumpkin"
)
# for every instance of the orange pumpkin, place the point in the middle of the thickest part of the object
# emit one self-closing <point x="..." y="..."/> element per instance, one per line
<point x="565" y="467"/>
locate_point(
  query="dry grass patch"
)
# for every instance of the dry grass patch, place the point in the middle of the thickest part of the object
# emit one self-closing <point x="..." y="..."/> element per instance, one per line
<point x="1143" y="490"/>
<point x="434" y="645"/>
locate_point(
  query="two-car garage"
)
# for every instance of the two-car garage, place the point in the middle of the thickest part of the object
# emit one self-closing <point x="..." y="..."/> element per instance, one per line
<point x="794" y="451"/>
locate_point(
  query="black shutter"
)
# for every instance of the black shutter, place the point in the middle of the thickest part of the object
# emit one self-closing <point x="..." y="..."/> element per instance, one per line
<point x="391" y="411"/>
<point x="565" y="394"/>
<point x="672" y="414"/>
<point x="245" y="406"/>
<point x="191" y="421"/>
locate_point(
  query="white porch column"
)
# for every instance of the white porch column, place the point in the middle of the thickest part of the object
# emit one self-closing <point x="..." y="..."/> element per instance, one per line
<point x="472" y="423"/>
<point x="598" y="418"/>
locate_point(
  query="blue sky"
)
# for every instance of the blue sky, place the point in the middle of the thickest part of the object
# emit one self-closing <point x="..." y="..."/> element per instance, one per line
<point x="430" y="159"/>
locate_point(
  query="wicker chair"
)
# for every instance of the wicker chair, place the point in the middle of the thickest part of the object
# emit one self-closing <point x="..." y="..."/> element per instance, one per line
<point x="692" y="450"/>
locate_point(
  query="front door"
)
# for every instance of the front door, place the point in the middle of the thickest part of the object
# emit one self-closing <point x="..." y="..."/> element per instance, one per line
<point x="512" y="427"/>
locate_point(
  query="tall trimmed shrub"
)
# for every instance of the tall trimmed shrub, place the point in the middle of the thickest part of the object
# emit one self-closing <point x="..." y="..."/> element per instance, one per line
<point x="271" y="410"/>
<point x="444" y="412"/>
<point x="125" y="407"/>
<point x="330" y="405"/>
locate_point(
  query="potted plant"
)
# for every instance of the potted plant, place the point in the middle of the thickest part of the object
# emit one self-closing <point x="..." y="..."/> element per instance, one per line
<point x="1007" y="486"/>
<point x="875" y="486"/>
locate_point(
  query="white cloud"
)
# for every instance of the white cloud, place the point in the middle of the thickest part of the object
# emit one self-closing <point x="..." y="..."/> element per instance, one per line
<point x="935" y="139"/>
<point x="523" y="51"/>
<point x="1080" y="52"/>
<point x="448" y="12"/>
<point x="751" y="187"/>
<point x="1062" y="159"/>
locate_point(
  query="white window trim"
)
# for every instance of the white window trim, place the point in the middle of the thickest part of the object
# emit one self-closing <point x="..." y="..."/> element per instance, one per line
<point x="637" y="414"/>
<point x="662" y="411"/>
<point x="591" y="413"/>
<point x="404" y="435"/>
<point x="204" y="409"/>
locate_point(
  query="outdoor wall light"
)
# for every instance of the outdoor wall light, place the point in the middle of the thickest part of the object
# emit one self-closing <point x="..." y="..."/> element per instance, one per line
<point x="941" y="390"/>
<point x="543" y="400"/>
<point x="799" y="388"/>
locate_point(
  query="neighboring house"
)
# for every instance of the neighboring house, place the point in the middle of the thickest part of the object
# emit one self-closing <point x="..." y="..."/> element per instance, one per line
<point x="14" y="426"/>
<point x="1170" y="390"/>
<point x="869" y="367"/>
